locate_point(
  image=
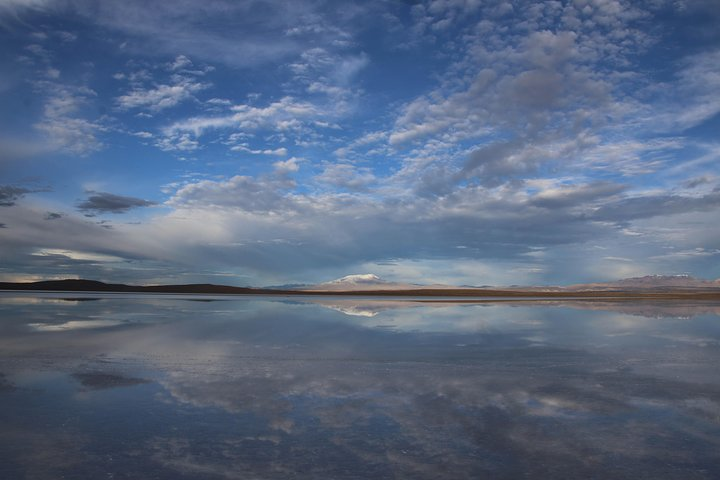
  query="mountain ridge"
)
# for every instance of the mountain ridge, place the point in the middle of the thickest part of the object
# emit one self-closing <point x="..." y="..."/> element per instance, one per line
<point x="688" y="289"/>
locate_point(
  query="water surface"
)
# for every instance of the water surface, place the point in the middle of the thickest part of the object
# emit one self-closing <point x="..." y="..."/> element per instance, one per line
<point x="190" y="387"/>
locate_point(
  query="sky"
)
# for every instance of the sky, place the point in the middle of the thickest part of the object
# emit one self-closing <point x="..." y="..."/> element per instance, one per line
<point x="466" y="142"/>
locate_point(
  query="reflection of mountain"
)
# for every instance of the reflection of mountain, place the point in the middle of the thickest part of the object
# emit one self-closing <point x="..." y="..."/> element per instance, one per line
<point x="358" y="307"/>
<point x="355" y="311"/>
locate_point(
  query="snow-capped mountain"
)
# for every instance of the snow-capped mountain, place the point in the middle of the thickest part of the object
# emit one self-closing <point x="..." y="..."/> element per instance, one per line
<point x="367" y="281"/>
<point x="358" y="279"/>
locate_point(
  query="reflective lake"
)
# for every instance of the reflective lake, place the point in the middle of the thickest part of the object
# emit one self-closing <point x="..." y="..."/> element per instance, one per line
<point x="172" y="387"/>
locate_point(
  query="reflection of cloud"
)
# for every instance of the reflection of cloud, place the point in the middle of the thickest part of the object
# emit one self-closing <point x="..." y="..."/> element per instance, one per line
<point x="407" y="416"/>
<point x="661" y="309"/>
<point x="277" y="388"/>
<point x="102" y="380"/>
<point x="643" y="308"/>
<point x="44" y="455"/>
<point x="73" y="325"/>
<point x="5" y="384"/>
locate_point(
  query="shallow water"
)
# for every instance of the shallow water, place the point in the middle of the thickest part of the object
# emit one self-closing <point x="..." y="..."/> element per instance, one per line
<point x="173" y="387"/>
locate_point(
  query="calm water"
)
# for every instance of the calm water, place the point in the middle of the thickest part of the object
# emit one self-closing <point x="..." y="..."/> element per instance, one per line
<point x="172" y="387"/>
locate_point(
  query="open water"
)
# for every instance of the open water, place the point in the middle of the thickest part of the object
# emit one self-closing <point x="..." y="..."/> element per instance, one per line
<point x="189" y="387"/>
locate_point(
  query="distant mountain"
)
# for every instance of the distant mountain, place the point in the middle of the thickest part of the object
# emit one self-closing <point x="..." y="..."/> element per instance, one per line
<point x="656" y="286"/>
<point x="650" y="282"/>
<point x="359" y="279"/>
<point x="287" y="286"/>
<point x="367" y="282"/>
<point x="95" y="286"/>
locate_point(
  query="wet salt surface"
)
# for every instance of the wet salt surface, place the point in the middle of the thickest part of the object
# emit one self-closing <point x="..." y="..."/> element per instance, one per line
<point x="165" y="387"/>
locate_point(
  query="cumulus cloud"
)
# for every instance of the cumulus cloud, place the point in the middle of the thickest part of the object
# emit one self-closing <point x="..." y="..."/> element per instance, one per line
<point x="343" y="175"/>
<point x="285" y="167"/>
<point x="239" y="192"/>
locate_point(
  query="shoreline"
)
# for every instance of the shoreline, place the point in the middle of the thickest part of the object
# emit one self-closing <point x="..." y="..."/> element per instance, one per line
<point x="424" y="296"/>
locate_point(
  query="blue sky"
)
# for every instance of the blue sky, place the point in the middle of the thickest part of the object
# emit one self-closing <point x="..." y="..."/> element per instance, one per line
<point x="270" y="142"/>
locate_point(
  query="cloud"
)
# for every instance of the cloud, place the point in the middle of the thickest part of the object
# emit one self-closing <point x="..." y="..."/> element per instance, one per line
<point x="62" y="122"/>
<point x="252" y="38"/>
<point x="30" y="234"/>
<point x="494" y="163"/>
<point x="329" y="73"/>
<point x="346" y="176"/>
<point x="575" y="195"/>
<point x="699" y="181"/>
<point x="239" y="192"/>
<point x="286" y="167"/>
<point x="524" y="86"/>
<point x="285" y="117"/>
<point x="180" y="62"/>
<point x="10" y="194"/>
<point x="279" y="152"/>
<point x="161" y="96"/>
<point x="182" y="143"/>
<point x="514" y="133"/>
<point x="101" y="202"/>
<point x="656" y="205"/>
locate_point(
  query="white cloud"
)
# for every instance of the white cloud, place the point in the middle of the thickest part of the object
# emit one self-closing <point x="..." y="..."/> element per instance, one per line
<point x="76" y="255"/>
<point x="284" y="114"/>
<point x="162" y="96"/>
<point x="280" y="151"/>
<point x="63" y="126"/>
<point x="180" y="62"/>
<point x="285" y="167"/>
<point x="346" y="176"/>
<point x="182" y="142"/>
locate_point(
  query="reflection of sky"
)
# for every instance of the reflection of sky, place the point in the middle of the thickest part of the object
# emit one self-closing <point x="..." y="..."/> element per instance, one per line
<point x="277" y="388"/>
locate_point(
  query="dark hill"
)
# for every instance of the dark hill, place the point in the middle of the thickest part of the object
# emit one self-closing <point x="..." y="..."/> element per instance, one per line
<point x="95" y="286"/>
